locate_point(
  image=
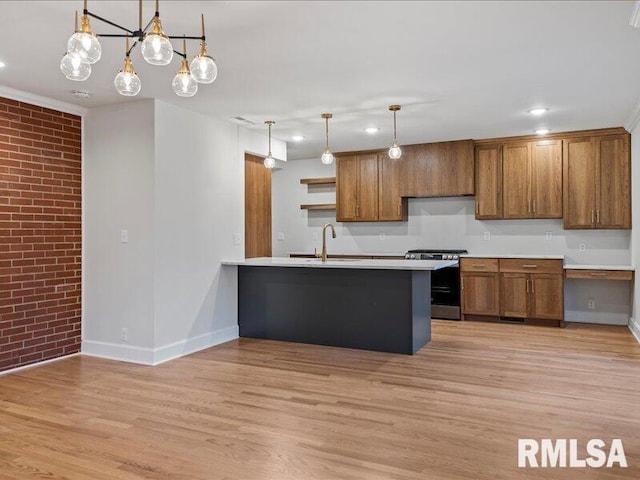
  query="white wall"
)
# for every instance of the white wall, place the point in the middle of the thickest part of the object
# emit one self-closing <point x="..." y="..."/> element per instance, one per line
<point x="451" y="223"/>
<point x="118" y="194"/>
<point x="175" y="180"/>
<point x="634" y="322"/>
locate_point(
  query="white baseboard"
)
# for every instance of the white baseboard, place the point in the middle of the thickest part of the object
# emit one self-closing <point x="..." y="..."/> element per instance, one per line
<point x="581" y="316"/>
<point x="634" y="326"/>
<point x="37" y="364"/>
<point x="151" y="356"/>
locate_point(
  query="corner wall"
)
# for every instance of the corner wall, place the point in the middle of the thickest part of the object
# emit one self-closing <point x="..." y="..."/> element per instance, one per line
<point x="634" y="321"/>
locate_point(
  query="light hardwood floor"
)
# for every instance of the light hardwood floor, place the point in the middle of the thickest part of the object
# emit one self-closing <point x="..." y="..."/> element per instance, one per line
<point x="253" y="410"/>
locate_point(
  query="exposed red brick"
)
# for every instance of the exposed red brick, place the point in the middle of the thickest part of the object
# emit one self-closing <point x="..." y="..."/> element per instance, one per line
<point x="40" y="233"/>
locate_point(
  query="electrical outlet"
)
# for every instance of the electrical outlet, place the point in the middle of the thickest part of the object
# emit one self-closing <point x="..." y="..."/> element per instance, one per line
<point x="582" y="247"/>
<point x="382" y="236"/>
<point x="280" y="236"/>
<point x="124" y="236"/>
<point x="487" y="236"/>
<point x="548" y="236"/>
<point x="237" y="239"/>
<point x="591" y="304"/>
<point x="124" y="334"/>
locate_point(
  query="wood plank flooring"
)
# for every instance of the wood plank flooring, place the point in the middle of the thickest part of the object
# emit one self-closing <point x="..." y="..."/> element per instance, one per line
<point x="254" y="410"/>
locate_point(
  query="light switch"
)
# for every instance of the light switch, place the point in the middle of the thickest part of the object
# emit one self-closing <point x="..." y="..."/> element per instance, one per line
<point x="236" y="239"/>
<point x="281" y="236"/>
<point x="124" y="236"/>
<point x="487" y="235"/>
<point x="582" y="247"/>
<point x="548" y="236"/>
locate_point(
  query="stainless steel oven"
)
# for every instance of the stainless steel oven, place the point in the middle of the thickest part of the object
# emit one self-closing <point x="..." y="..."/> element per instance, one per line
<point x="445" y="283"/>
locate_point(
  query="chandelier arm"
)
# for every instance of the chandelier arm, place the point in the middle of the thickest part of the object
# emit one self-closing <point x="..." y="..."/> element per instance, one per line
<point x="108" y="22"/>
<point x="180" y="37"/>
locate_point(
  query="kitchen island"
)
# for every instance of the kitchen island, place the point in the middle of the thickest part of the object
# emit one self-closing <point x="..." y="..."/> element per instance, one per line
<point x="382" y="305"/>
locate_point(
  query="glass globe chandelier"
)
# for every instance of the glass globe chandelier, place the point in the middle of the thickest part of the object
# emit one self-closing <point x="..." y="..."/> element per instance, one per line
<point x="84" y="49"/>
<point x="327" y="157"/>
<point x="269" y="161"/>
<point x="394" y="152"/>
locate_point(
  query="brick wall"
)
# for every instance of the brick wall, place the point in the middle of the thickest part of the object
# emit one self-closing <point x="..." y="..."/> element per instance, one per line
<point x="40" y="233"/>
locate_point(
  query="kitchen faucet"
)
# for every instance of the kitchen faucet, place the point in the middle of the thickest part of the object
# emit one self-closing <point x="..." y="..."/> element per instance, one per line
<point x="323" y="255"/>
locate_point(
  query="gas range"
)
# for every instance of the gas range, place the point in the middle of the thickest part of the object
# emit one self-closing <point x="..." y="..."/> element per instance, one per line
<point x="423" y="254"/>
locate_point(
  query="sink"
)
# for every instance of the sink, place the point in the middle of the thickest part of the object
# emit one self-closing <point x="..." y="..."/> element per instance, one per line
<point x="343" y="260"/>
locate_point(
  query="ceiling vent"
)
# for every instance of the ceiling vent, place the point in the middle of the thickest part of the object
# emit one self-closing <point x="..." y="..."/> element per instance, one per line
<point x="80" y="94"/>
<point x="242" y="121"/>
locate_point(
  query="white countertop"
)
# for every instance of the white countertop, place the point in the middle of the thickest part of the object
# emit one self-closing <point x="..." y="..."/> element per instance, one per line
<point x="359" y="254"/>
<point x="504" y="255"/>
<point x="626" y="268"/>
<point x="363" y="264"/>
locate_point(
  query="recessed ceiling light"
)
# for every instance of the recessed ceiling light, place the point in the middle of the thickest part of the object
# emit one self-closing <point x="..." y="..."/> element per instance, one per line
<point x="542" y="131"/>
<point x="538" y="111"/>
<point x="2" y="64"/>
<point x="372" y="130"/>
<point x="297" y="138"/>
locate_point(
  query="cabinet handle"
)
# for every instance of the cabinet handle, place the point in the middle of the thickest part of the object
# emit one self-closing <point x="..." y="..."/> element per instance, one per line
<point x="598" y="274"/>
<point x="477" y="208"/>
<point x="534" y="205"/>
<point x="533" y="288"/>
<point x="357" y="210"/>
<point x="527" y="285"/>
<point x="478" y="265"/>
<point x="462" y="283"/>
<point x="598" y="216"/>
<point x="529" y="265"/>
<point x="528" y="206"/>
<point x="593" y="220"/>
<point x="400" y="208"/>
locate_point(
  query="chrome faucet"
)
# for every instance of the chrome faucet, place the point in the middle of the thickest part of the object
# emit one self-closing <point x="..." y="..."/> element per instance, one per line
<point x="323" y="255"/>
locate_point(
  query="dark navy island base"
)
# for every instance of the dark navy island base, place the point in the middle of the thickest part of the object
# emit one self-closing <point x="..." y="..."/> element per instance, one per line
<point x="382" y="310"/>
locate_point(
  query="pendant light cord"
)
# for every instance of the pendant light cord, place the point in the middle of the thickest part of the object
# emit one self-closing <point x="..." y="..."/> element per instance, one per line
<point x="269" y="139"/>
<point x="326" y="130"/>
<point x="394" y="128"/>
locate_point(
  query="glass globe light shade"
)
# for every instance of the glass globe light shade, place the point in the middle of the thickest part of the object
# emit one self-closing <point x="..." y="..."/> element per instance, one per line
<point x="74" y="68"/>
<point x="86" y="45"/>
<point x="183" y="83"/>
<point x="203" y="68"/>
<point x="127" y="83"/>
<point x="395" y="152"/>
<point x="156" y="47"/>
<point x="269" y="162"/>
<point x="327" y="157"/>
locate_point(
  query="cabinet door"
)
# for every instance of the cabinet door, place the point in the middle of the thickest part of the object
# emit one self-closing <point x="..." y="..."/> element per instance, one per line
<point x="480" y="294"/>
<point x="488" y="179"/>
<point x="579" y="183"/>
<point x="547" y="296"/>
<point x="442" y="169"/>
<point x="514" y="292"/>
<point x="346" y="189"/>
<point x="367" y="210"/>
<point x="516" y="197"/>
<point x="391" y="206"/>
<point x="546" y="179"/>
<point x="613" y="164"/>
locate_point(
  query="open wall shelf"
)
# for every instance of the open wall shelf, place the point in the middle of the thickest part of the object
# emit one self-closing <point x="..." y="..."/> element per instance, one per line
<point x="318" y="206"/>
<point x="318" y="181"/>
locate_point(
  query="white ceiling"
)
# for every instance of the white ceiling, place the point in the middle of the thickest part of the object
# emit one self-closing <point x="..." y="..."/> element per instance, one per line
<point x="459" y="69"/>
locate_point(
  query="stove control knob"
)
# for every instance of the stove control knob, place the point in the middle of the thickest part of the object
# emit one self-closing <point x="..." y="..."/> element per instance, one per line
<point x="455" y="257"/>
<point x="407" y="256"/>
<point x="413" y="256"/>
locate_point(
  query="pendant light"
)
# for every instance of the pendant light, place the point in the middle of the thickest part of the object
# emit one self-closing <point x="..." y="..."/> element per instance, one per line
<point x="203" y="66"/>
<point x="183" y="83"/>
<point x="269" y="161"/>
<point x="72" y="65"/>
<point x="84" y="41"/>
<point x="127" y="82"/>
<point x="394" y="152"/>
<point x="156" y="47"/>
<point x="327" y="157"/>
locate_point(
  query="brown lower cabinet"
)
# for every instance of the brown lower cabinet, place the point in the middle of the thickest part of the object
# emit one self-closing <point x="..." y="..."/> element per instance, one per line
<point x="528" y="290"/>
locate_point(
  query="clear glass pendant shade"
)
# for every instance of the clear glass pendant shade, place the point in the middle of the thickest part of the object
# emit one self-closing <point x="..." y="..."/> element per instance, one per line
<point x="395" y="152"/>
<point x="156" y="47"/>
<point x="204" y="69"/>
<point x="269" y="161"/>
<point x="127" y="82"/>
<point x="327" y="157"/>
<point x="74" y="68"/>
<point x="86" y="45"/>
<point x="183" y="83"/>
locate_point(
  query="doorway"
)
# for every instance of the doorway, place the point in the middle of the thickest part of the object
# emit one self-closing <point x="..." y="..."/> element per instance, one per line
<point x="257" y="207"/>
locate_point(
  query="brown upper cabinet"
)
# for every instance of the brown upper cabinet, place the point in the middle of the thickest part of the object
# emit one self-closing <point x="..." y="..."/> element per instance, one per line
<point x="357" y="188"/>
<point x="597" y="182"/>
<point x="391" y="183"/>
<point x="519" y="180"/>
<point x="443" y="169"/>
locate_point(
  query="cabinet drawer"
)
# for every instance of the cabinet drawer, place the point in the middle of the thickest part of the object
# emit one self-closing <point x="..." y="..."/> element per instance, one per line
<point x="600" y="274"/>
<point x="478" y="264"/>
<point x="530" y="265"/>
